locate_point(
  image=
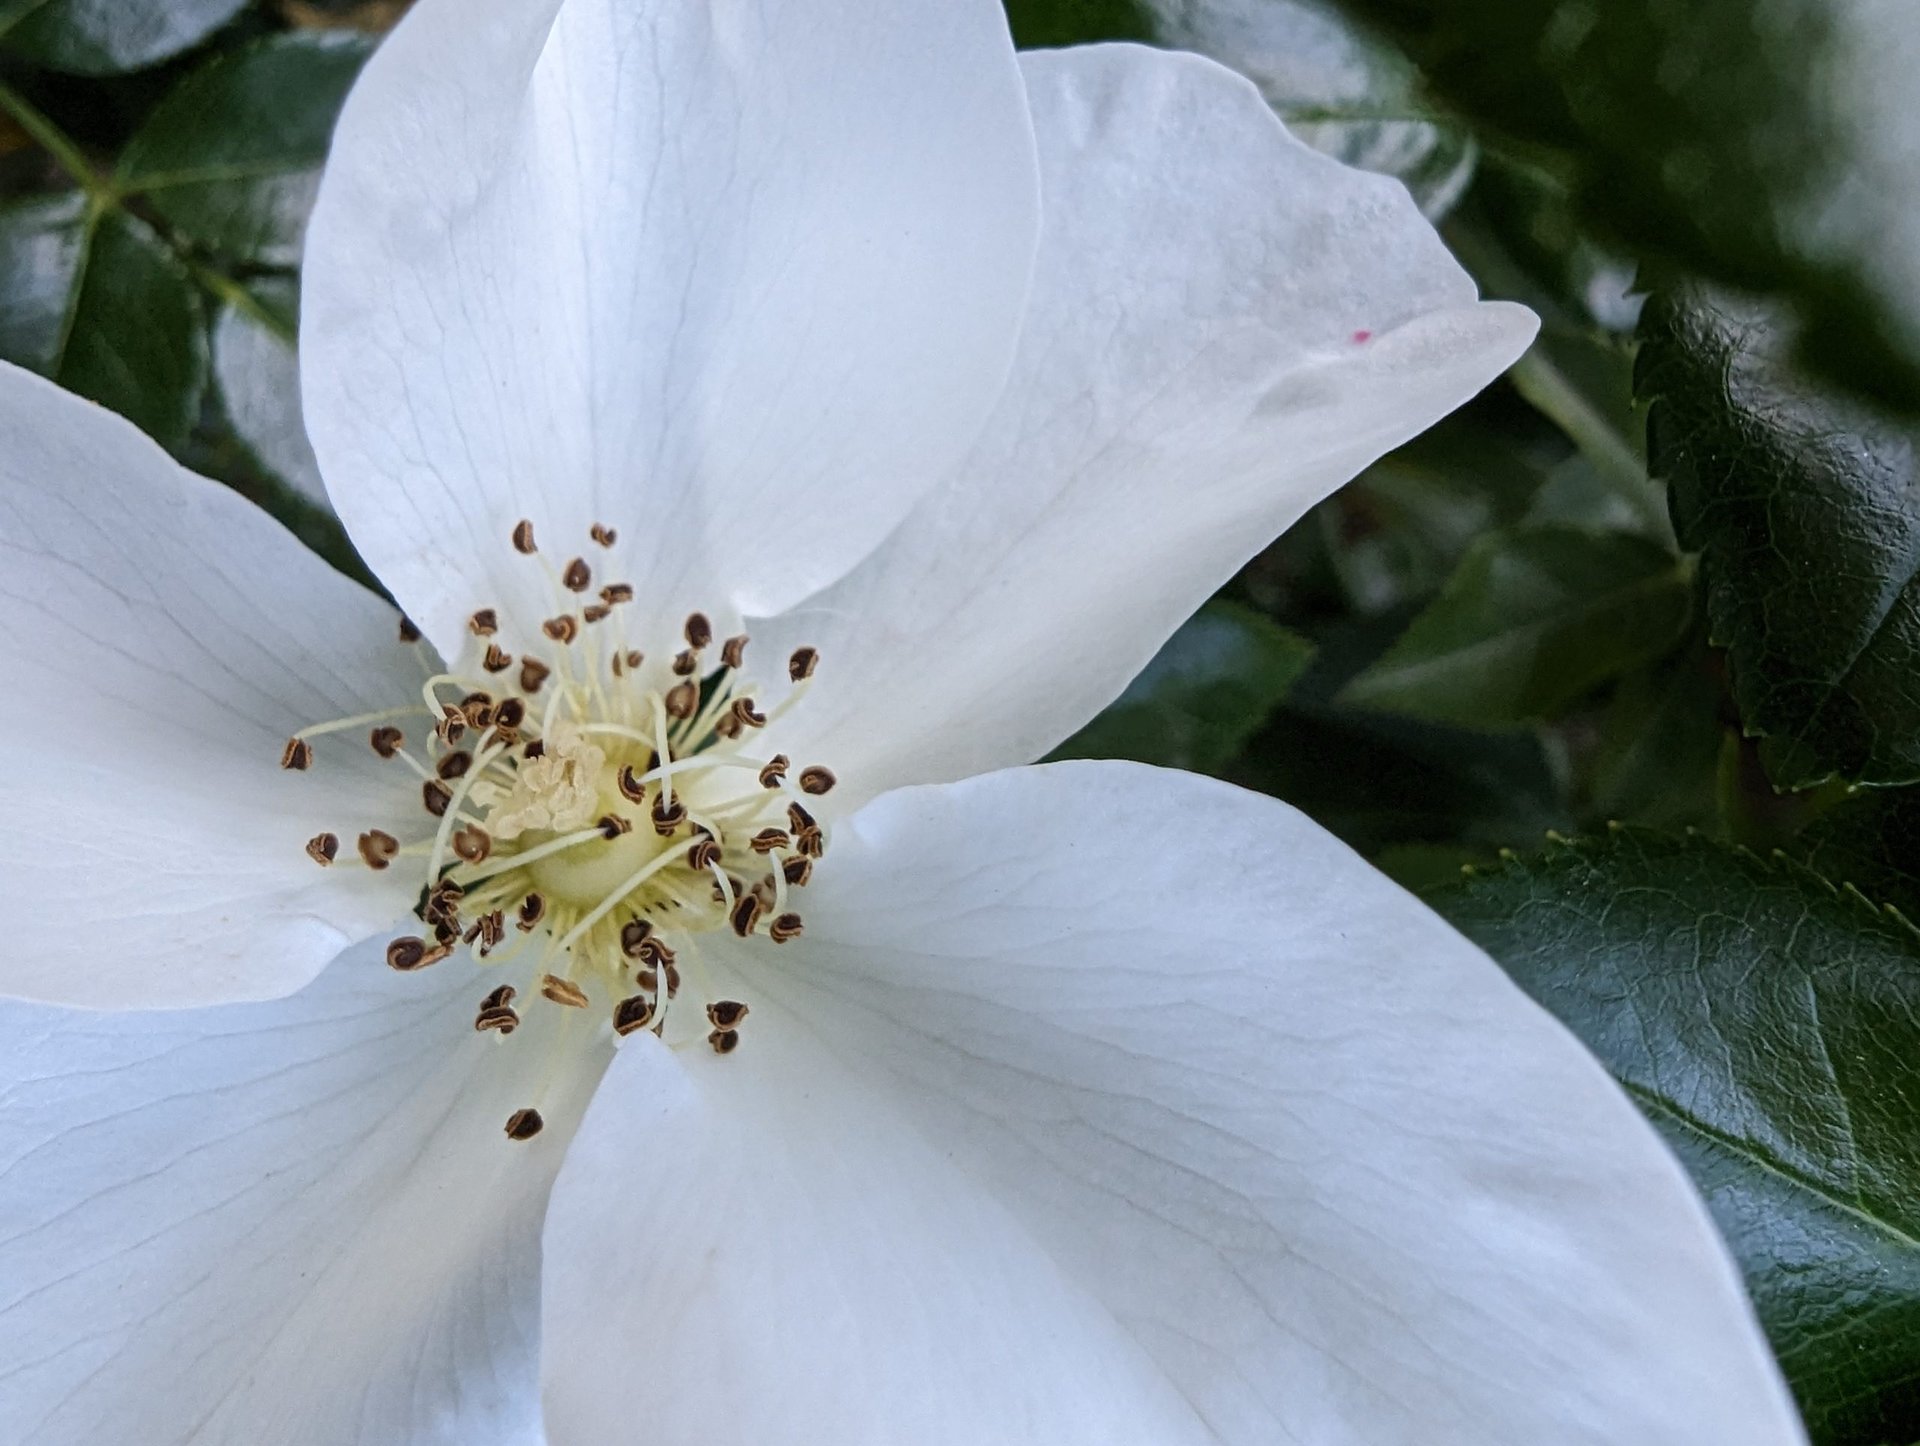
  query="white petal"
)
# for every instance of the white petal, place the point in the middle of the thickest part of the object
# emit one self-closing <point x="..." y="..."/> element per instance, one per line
<point x="1192" y="377"/>
<point x="1344" y="1181"/>
<point x="754" y="1250"/>
<point x="296" y="1223"/>
<point x="739" y="280"/>
<point x="163" y="637"/>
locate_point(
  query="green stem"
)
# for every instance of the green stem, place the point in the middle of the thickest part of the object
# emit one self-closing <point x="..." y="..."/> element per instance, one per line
<point x="238" y="297"/>
<point x="1547" y="388"/>
<point x="58" y="144"/>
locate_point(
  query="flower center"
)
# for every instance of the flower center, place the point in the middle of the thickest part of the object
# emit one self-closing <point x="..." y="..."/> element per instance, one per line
<point x="590" y="811"/>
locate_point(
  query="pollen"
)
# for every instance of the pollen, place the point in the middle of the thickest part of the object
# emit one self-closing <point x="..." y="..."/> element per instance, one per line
<point x="593" y="821"/>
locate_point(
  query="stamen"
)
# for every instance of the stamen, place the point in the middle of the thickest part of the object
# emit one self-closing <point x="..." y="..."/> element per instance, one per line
<point x="615" y="593"/>
<point x="817" y="780"/>
<point x="726" y="1013"/>
<point x="745" y="914"/>
<point x="724" y="1041"/>
<point x="686" y="663"/>
<point x="524" y="1124"/>
<point x="733" y="651"/>
<point x="595" y="612"/>
<point x="801" y="665"/>
<point x="533" y="674"/>
<point x="563" y="629"/>
<point x="386" y="741"/>
<point x="775" y="771"/>
<point x="602" y="534"/>
<point x="453" y="765"/>
<point x="323" y="848"/>
<point x="484" y="623"/>
<point x="436" y="796"/>
<point x="699" y="631"/>
<point x="523" y="538"/>
<point x="533" y="908"/>
<point x="564" y="991"/>
<point x="769" y="839"/>
<point x="785" y="927"/>
<point x="297" y="755"/>
<point x="578" y="577"/>
<point x="797" y="871"/>
<point x="409" y="953"/>
<point x="633" y="1012"/>
<point x="378" y="848"/>
<point x="497" y="660"/>
<point x="472" y="843"/>
<point x="682" y="699"/>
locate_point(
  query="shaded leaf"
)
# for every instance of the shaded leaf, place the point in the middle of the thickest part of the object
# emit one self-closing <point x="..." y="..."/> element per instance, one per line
<point x="1769" y="1025"/>
<point x="231" y="158"/>
<point x="91" y="298"/>
<point x="1534" y="618"/>
<point x="103" y="37"/>
<point x="1773" y="146"/>
<point x="257" y="372"/>
<point x="1805" y="509"/>
<point x="1203" y="695"/>
<point x="1871" y="841"/>
<point x="1072" y="22"/>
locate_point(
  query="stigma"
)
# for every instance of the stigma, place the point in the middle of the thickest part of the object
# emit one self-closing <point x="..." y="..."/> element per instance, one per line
<point x="589" y="810"/>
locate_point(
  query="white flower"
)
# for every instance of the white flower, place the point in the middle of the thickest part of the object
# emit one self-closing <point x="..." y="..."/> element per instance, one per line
<point x="1094" y="1103"/>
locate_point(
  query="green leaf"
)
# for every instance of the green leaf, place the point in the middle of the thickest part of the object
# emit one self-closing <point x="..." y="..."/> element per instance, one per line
<point x="1660" y="747"/>
<point x="257" y="375"/>
<point x="231" y="158"/>
<point x="1203" y="695"/>
<point x="1771" y="147"/>
<point x="96" y="301"/>
<point x="1806" y="513"/>
<point x="105" y="37"/>
<point x="1871" y="841"/>
<point x="1769" y="1025"/>
<point x="1534" y="618"/>
<point x="1341" y="90"/>
<point x="1038" y="23"/>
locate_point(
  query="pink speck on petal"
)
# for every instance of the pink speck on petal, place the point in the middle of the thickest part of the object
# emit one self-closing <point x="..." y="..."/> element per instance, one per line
<point x="1361" y="337"/>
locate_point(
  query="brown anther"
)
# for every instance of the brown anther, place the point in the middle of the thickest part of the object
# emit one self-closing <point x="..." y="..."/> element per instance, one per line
<point x="523" y="538"/>
<point x="746" y="914"/>
<point x="629" y="784"/>
<point x="673" y="979"/>
<point x="578" y="577"/>
<point x="612" y="825"/>
<point x="775" y="770"/>
<point x="477" y="709"/>
<point x="704" y="854"/>
<point x="443" y="902"/>
<point x="634" y="659"/>
<point x="744" y="712"/>
<point x="297" y="755"/>
<point x="510" y="714"/>
<point x="532" y="910"/>
<point x="323" y="848"/>
<point x="499" y="998"/>
<point x="497" y="660"/>
<point x="733" y="652"/>
<point x="699" y="632"/>
<point x="490" y="928"/>
<point x="563" y="629"/>
<point x="784" y="927"/>
<point x="503" y="1019"/>
<point x="377" y="848"/>
<point x="410" y="952"/>
<point x="810" y="843"/>
<point x="452" y="726"/>
<point x="686" y="663"/>
<point x="801" y="665"/>
<point x="797" y="871"/>
<point x="726" y="1013"/>
<point x="668" y="816"/>
<point x="564" y="991"/>
<point x="472" y="843"/>
<point x="726" y="726"/>
<point x="799" y="818"/>
<point x="595" y="612"/>
<point x="536" y="749"/>
<point x="436" y="796"/>
<point x="633" y="937"/>
<point x="386" y="741"/>
<point x="408" y="632"/>
<point x="724" y="1041"/>
<point x="524" y="1124"/>
<point x="682" y="699"/>
<point x="602" y="534"/>
<point x="633" y="1012"/>
<point x="615" y="593"/>
<point x="484" y="623"/>
<point x="533" y="673"/>
<point x="769" y="839"/>
<point x="454" y="764"/>
<point x="817" y="780"/>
